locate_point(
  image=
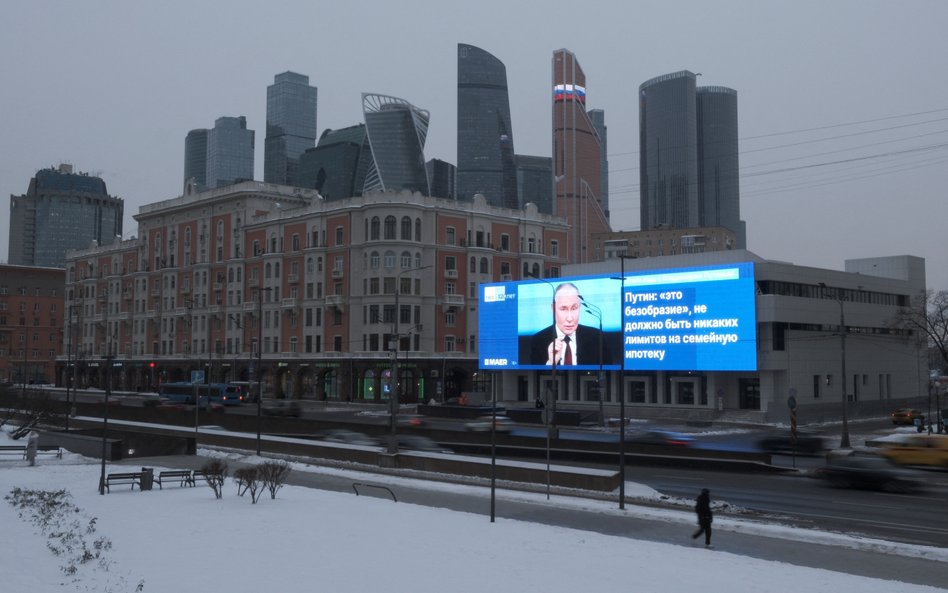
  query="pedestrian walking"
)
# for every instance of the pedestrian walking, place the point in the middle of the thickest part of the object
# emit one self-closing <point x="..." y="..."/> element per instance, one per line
<point x="703" y="510"/>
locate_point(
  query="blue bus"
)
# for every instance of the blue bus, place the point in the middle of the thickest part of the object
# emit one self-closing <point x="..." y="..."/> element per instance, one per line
<point x="218" y="393"/>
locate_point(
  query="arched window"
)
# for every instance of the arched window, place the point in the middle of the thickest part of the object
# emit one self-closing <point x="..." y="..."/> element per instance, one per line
<point x="536" y="270"/>
<point x="390" y="228"/>
<point x="472" y="268"/>
<point x="418" y="230"/>
<point x="485" y="267"/>
<point x="405" y="260"/>
<point x="276" y="270"/>
<point x="389" y="259"/>
<point x="406" y="229"/>
<point x="273" y="243"/>
<point x="310" y="266"/>
<point x="374" y="229"/>
<point x="374" y="263"/>
<point x="417" y="260"/>
<point x="319" y="264"/>
<point x="230" y="275"/>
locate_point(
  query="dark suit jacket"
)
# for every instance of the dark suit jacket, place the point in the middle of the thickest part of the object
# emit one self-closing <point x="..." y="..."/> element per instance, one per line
<point x="533" y="349"/>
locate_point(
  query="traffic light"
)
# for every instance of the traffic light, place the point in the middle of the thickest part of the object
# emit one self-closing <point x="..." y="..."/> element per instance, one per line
<point x="151" y="365"/>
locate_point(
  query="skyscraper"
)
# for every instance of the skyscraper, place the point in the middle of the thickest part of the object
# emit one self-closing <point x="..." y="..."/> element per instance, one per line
<point x="291" y="126"/>
<point x="397" y="131"/>
<point x="718" y="170"/>
<point x="442" y="176"/>
<point x="598" y="117"/>
<point x="338" y="164"/>
<point x="230" y="148"/>
<point x="535" y="182"/>
<point x="577" y="159"/>
<point x="688" y="155"/>
<point x="485" y="135"/>
<point x="61" y="210"/>
<point x="195" y="157"/>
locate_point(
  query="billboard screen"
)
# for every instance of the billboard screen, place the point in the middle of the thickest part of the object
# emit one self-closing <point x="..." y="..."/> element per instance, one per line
<point x="686" y="319"/>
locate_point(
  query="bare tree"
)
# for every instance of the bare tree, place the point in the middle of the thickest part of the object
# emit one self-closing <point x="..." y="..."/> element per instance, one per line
<point x="28" y="407"/>
<point x="928" y="315"/>
<point x="248" y="479"/>
<point x="273" y="474"/>
<point x="215" y="472"/>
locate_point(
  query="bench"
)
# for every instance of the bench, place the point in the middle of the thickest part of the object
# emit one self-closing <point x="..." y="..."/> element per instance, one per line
<point x="184" y="477"/>
<point x="132" y="478"/>
<point x="21" y="450"/>
<point x="198" y="475"/>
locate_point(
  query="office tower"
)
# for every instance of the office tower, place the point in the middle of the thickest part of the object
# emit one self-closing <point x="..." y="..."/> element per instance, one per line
<point x="577" y="159"/>
<point x="535" y="182"/>
<point x="485" y="135"/>
<point x="230" y="148"/>
<point x="62" y="210"/>
<point x="443" y="178"/>
<point x="291" y="126"/>
<point x="396" y="130"/>
<point x="688" y="161"/>
<point x="195" y="157"/>
<point x="337" y="166"/>
<point x="718" y="170"/>
<point x="598" y="117"/>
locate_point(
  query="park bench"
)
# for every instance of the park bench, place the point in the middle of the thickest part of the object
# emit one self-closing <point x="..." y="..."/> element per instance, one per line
<point x="21" y="450"/>
<point x="184" y="477"/>
<point x="198" y="475"/>
<point x="133" y="478"/>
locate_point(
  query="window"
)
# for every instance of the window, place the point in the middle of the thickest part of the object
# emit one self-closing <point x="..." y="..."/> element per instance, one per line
<point x="504" y="242"/>
<point x="389" y="259"/>
<point x="555" y="248"/>
<point x="374" y="260"/>
<point x="296" y="242"/>
<point x="450" y="263"/>
<point x="418" y="230"/>
<point x="340" y="235"/>
<point x="405" y="260"/>
<point x="485" y="267"/>
<point x="389" y="229"/>
<point x="449" y="236"/>
<point x="374" y="228"/>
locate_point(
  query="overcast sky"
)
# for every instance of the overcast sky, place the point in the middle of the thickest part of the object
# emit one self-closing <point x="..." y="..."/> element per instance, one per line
<point x="842" y="105"/>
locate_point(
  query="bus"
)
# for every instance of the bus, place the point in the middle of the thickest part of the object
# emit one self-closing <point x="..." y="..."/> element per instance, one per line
<point x="183" y="392"/>
<point x="250" y="390"/>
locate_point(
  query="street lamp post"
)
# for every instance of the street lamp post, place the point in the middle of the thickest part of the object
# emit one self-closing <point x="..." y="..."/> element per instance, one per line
<point x="549" y="408"/>
<point x="622" y="258"/>
<point x="108" y="392"/>
<point x="259" y="371"/>
<point x="844" y="438"/>
<point x="396" y="342"/>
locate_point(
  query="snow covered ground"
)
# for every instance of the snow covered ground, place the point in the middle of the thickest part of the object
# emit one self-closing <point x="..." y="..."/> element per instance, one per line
<point x="185" y="540"/>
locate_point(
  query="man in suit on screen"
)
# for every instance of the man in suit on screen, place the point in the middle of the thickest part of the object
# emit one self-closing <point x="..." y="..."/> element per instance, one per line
<point x="567" y="342"/>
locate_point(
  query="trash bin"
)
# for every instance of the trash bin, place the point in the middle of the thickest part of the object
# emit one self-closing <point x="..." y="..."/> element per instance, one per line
<point x="148" y="478"/>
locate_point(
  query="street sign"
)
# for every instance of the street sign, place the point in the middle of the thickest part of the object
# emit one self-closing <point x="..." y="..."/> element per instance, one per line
<point x="197" y="376"/>
<point x="792" y="402"/>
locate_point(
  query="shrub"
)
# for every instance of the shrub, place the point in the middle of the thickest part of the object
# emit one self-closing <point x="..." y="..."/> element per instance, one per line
<point x="273" y="474"/>
<point x="215" y="472"/>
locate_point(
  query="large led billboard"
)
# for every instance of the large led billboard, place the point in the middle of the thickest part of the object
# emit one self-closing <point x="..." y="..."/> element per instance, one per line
<point x="686" y="319"/>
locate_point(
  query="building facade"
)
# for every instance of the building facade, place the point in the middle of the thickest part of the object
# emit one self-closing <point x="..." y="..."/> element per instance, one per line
<point x="485" y="134"/>
<point x="664" y="241"/>
<point x="718" y="162"/>
<point x="257" y="281"/>
<point x="337" y="166"/>
<point x="195" y="157"/>
<point x="396" y="130"/>
<point x="598" y="118"/>
<point x="577" y="159"/>
<point x="291" y="127"/>
<point x="443" y="178"/>
<point x="61" y="210"/>
<point x="535" y="182"/>
<point x="31" y="323"/>
<point x="230" y="147"/>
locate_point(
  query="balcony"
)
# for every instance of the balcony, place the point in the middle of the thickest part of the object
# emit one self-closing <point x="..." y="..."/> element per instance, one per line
<point x="506" y="277"/>
<point x="335" y="300"/>
<point x="155" y="292"/>
<point x="450" y="273"/>
<point x="250" y="306"/>
<point x="453" y="300"/>
<point x="338" y="273"/>
<point x="293" y="278"/>
<point x="181" y="311"/>
<point x="185" y="290"/>
<point x="253" y="283"/>
<point x="214" y="309"/>
<point x="218" y="286"/>
<point x="289" y="303"/>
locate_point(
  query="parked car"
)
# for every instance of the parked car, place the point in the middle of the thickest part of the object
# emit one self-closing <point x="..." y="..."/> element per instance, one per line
<point x="871" y="472"/>
<point x="906" y="416"/>
<point x="349" y="437"/>
<point x="805" y="443"/>
<point x="661" y="437"/>
<point x="483" y="423"/>
<point x="281" y="407"/>
<point x="918" y="449"/>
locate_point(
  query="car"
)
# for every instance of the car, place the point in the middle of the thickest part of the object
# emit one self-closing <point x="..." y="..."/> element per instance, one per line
<point x="871" y="472"/>
<point x="483" y="423"/>
<point x="349" y="437"/>
<point x="414" y="442"/>
<point x="660" y="437"/>
<point x="918" y="449"/>
<point x="906" y="416"/>
<point x="281" y="407"/>
<point x="805" y="443"/>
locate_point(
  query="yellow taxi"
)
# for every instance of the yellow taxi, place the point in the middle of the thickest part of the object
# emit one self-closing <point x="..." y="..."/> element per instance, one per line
<point x="919" y="449"/>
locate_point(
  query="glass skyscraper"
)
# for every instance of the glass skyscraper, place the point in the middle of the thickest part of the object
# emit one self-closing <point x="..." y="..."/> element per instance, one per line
<point x="577" y="160"/>
<point x="598" y="118"/>
<point x="535" y="182"/>
<point x="60" y="211"/>
<point x="337" y="166"/>
<point x="688" y="155"/>
<point x="230" y="147"/>
<point x="291" y="127"/>
<point x="397" y="131"/>
<point x="486" y="162"/>
<point x="195" y="157"/>
<point x="442" y="176"/>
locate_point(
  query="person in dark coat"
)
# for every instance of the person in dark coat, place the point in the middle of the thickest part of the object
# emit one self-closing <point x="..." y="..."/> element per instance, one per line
<point x="703" y="510"/>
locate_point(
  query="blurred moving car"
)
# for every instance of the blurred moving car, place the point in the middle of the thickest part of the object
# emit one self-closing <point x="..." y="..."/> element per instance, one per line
<point x="281" y="407"/>
<point x="918" y="449"/>
<point x="483" y="423"/>
<point x="414" y="442"/>
<point x="906" y="416"/>
<point x="805" y="443"/>
<point x="349" y="437"/>
<point x="870" y="472"/>
<point x="661" y="437"/>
